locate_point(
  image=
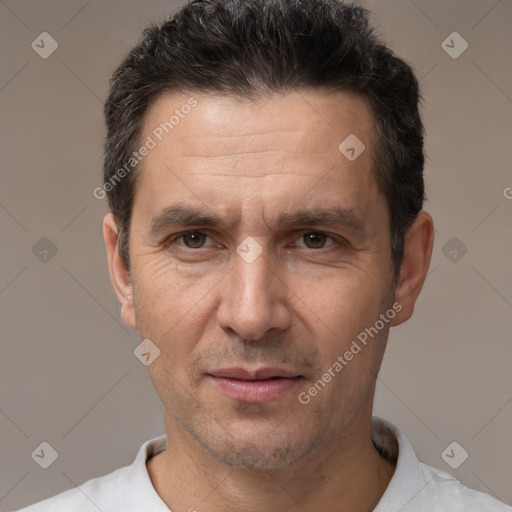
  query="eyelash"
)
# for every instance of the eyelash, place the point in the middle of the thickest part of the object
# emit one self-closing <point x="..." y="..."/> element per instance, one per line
<point x="337" y="241"/>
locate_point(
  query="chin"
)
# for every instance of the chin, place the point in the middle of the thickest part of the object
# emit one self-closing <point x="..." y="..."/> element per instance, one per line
<point x="264" y="452"/>
<point x="251" y="456"/>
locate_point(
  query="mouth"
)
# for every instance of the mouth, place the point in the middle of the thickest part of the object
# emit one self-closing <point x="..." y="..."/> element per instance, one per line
<point x="256" y="386"/>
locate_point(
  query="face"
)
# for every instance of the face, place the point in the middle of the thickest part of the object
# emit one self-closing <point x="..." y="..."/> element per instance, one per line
<point x="260" y="255"/>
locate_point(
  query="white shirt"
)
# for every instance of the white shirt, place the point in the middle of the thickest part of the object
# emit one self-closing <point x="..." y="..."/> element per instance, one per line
<point x="415" y="487"/>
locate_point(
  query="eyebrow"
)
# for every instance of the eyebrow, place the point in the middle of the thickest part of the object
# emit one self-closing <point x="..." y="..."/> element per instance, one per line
<point x="181" y="216"/>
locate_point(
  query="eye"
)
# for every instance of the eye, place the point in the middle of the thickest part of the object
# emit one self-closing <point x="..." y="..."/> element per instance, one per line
<point x="191" y="239"/>
<point x="316" y="240"/>
<point x="198" y="240"/>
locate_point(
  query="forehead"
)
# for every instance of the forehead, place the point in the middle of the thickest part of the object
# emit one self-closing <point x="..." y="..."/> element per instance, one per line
<point x="324" y="119"/>
<point x="222" y="150"/>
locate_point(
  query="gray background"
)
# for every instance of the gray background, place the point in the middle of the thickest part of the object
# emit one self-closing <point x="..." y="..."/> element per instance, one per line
<point x="68" y="375"/>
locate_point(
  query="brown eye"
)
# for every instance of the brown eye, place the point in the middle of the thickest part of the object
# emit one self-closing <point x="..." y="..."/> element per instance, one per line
<point x="315" y="240"/>
<point x="194" y="239"/>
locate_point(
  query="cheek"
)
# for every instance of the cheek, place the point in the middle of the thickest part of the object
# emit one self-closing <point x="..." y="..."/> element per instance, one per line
<point x="344" y="301"/>
<point x="346" y="312"/>
<point x="165" y="291"/>
<point x="172" y="306"/>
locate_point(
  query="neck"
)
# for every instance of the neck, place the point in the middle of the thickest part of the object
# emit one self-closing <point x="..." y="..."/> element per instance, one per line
<point x="348" y="474"/>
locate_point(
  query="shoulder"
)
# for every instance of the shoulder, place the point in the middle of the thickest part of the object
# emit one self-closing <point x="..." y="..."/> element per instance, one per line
<point x="445" y="490"/>
<point x="99" y="493"/>
<point x="127" y="488"/>
<point x="417" y="487"/>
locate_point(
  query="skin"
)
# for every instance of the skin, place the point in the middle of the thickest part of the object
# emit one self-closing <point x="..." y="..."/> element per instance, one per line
<point x="298" y="306"/>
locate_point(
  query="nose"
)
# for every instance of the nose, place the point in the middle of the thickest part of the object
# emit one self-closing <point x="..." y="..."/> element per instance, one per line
<point x="254" y="299"/>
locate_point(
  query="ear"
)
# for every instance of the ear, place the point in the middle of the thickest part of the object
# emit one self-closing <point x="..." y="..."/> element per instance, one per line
<point x="418" y="246"/>
<point x="119" y="274"/>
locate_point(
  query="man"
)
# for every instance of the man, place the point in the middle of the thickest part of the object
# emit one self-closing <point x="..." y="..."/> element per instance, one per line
<point x="264" y="170"/>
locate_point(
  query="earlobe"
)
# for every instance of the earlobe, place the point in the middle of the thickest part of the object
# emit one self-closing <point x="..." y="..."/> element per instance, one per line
<point x="413" y="271"/>
<point x="119" y="274"/>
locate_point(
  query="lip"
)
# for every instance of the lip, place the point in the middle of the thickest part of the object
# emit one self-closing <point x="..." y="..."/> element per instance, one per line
<point x="253" y="374"/>
<point x="254" y="385"/>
